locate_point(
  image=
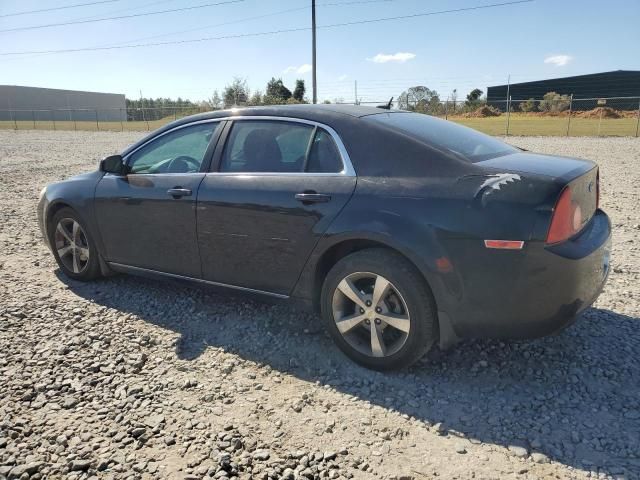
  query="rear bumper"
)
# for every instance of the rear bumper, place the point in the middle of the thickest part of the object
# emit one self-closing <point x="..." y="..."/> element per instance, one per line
<point x="529" y="293"/>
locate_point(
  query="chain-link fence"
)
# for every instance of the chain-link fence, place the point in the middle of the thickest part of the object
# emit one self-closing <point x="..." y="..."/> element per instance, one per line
<point x="108" y="119"/>
<point x="559" y="115"/>
<point x="556" y="115"/>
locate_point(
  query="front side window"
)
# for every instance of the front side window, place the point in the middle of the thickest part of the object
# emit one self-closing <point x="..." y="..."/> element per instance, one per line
<point x="180" y="151"/>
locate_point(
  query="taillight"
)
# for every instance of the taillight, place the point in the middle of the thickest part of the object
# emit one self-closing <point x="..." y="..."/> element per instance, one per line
<point x="566" y="220"/>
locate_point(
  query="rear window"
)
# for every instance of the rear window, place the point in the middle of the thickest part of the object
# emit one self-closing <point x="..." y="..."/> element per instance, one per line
<point x="444" y="135"/>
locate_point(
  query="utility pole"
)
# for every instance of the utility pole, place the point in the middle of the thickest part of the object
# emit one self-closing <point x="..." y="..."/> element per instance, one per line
<point x="144" y="118"/>
<point x="508" y="103"/>
<point x="313" y="47"/>
<point x="355" y="87"/>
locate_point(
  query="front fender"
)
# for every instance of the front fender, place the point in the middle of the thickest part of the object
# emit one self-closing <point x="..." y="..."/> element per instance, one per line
<point x="77" y="193"/>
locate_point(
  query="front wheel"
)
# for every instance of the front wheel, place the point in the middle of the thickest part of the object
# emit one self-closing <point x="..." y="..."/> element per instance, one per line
<point x="379" y="309"/>
<point x="73" y="247"/>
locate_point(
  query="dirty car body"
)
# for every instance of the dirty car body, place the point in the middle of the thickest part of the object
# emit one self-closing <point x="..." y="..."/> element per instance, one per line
<point x="510" y="244"/>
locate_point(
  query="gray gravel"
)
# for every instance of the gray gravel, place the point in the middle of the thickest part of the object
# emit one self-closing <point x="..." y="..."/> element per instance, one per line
<point x="130" y="378"/>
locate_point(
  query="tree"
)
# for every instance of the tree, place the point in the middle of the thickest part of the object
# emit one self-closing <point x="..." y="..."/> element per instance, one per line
<point x="528" y="105"/>
<point x="420" y="99"/>
<point x="299" y="91"/>
<point x="215" y="101"/>
<point x="156" y="109"/>
<point x="473" y="98"/>
<point x="453" y="98"/>
<point x="256" y="98"/>
<point x="276" y="92"/>
<point x="554" y="102"/>
<point x="236" y="93"/>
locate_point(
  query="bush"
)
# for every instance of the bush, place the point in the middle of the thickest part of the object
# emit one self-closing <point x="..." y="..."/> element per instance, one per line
<point x="528" y="106"/>
<point x="554" y="102"/>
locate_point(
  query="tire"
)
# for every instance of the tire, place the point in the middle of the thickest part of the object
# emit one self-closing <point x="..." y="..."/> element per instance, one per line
<point x="407" y="302"/>
<point x="80" y="258"/>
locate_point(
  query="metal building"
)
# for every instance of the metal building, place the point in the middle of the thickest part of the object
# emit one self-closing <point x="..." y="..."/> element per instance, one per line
<point x="33" y="103"/>
<point x="617" y="85"/>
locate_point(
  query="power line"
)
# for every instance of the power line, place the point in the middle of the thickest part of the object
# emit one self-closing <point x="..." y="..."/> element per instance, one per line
<point x="240" y="20"/>
<point x="272" y="32"/>
<point x="120" y="10"/>
<point x="103" y="19"/>
<point x="256" y="17"/>
<point x="64" y="7"/>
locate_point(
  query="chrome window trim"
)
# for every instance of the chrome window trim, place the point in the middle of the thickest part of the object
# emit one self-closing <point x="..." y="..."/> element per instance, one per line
<point x="124" y="266"/>
<point x="347" y="165"/>
<point x="153" y="139"/>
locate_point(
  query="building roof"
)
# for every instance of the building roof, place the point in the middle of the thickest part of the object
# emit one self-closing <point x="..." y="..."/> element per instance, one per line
<point x="573" y="77"/>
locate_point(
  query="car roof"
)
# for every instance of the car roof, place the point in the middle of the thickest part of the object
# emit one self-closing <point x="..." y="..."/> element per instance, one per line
<point x="327" y="114"/>
<point x="306" y="111"/>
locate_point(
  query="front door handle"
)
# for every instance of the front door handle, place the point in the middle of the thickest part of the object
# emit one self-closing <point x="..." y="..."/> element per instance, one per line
<point x="178" y="192"/>
<point x="312" y="197"/>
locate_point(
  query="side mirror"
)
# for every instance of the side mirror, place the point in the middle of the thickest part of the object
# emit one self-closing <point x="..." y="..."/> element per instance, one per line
<point x="112" y="164"/>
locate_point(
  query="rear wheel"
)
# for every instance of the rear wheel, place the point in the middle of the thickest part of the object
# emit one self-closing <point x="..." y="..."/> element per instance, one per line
<point x="73" y="247"/>
<point x="379" y="310"/>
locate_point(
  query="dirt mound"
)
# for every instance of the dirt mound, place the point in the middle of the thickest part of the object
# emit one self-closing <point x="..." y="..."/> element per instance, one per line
<point x="604" y="112"/>
<point x="484" y="111"/>
<point x="564" y="113"/>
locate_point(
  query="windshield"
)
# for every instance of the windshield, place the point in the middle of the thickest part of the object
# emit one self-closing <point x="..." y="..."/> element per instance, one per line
<point x="444" y="135"/>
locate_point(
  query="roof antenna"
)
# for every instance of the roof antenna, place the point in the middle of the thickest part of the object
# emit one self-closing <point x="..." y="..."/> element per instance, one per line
<point x="387" y="106"/>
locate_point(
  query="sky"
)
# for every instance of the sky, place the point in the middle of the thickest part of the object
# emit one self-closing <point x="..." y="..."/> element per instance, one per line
<point x="458" y="50"/>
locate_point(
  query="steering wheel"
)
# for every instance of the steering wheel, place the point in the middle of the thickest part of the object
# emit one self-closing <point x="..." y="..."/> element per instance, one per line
<point x="183" y="164"/>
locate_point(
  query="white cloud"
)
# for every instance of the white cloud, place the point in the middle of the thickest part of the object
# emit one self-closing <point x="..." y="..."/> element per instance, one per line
<point x="306" y="68"/>
<point x="558" y="60"/>
<point x="343" y="77"/>
<point x="399" y="57"/>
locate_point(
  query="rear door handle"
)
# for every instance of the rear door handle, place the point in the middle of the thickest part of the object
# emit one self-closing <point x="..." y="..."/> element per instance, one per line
<point x="178" y="192"/>
<point x="313" y="197"/>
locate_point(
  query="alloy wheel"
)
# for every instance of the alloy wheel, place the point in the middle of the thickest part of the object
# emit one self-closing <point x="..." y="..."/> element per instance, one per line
<point x="72" y="245"/>
<point x="371" y="314"/>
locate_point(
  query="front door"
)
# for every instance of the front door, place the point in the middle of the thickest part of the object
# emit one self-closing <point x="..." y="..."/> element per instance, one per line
<point x="277" y="188"/>
<point x="147" y="218"/>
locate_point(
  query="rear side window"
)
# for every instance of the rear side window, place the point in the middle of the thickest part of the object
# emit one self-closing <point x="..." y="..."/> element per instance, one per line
<point x="266" y="146"/>
<point x="279" y="146"/>
<point x="463" y="141"/>
<point x="324" y="156"/>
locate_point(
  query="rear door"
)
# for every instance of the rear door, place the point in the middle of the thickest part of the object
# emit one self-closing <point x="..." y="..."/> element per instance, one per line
<point x="147" y="218"/>
<point x="276" y="186"/>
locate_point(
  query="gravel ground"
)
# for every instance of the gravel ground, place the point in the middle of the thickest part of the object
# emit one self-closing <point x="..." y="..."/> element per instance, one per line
<point x="131" y="378"/>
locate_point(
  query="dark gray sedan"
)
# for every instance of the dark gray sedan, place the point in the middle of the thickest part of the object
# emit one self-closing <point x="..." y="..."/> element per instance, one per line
<point x="403" y="230"/>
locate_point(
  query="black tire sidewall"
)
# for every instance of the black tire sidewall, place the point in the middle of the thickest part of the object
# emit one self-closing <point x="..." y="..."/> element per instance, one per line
<point x="413" y="288"/>
<point x="93" y="268"/>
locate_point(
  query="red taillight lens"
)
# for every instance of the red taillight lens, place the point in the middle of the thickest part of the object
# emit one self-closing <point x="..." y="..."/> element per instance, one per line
<point x="566" y="219"/>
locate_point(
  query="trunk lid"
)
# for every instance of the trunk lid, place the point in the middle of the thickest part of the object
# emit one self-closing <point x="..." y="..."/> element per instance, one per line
<point x="559" y="168"/>
<point x="580" y="176"/>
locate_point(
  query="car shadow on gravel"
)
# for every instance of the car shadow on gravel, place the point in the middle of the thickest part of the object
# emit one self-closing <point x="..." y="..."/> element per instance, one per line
<point x="574" y="397"/>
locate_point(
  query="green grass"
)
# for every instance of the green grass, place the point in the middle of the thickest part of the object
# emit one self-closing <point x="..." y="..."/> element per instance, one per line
<point x="518" y="125"/>
<point x="551" y="126"/>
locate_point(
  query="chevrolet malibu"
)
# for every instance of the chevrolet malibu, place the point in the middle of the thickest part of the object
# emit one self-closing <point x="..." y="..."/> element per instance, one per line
<point x="401" y="229"/>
